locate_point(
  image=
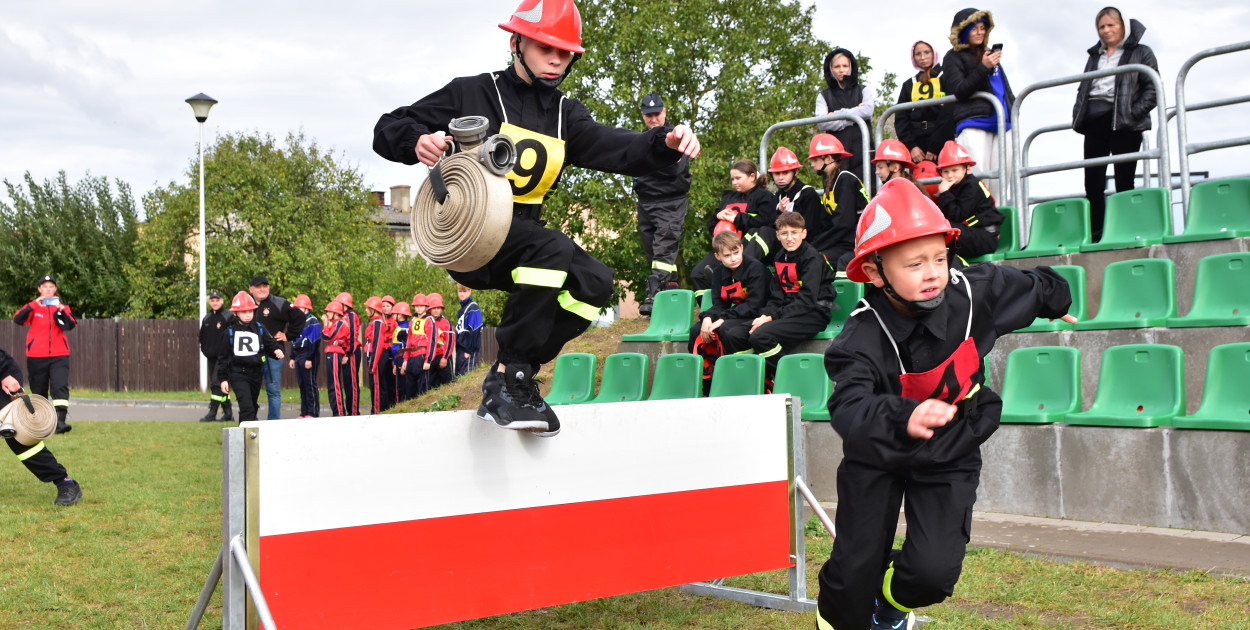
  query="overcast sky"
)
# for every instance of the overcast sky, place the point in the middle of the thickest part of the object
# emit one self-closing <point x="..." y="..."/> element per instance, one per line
<point x="98" y="87"/>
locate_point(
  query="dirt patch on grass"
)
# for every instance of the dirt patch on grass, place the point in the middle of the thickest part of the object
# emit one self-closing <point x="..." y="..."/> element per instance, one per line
<point x="466" y="392"/>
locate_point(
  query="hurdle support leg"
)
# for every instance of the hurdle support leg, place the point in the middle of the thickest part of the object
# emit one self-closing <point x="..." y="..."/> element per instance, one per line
<point x="206" y="593"/>
<point x="233" y="523"/>
<point x="796" y="600"/>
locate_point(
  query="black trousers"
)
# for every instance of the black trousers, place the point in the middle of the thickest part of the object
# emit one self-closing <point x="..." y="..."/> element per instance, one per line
<point x="465" y="364"/>
<point x="39" y="461"/>
<point x="353" y="382"/>
<point x="660" y="223"/>
<point x="973" y="242"/>
<point x="246" y="386"/>
<point x="1101" y="141"/>
<point x="309" y="397"/>
<point x="558" y="291"/>
<point x="863" y="566"/>
<point x="49" y="377"/>
<point x="441" y="375"/>
<point x="774" y="339"/>
<point x="336" y="384"/>
<point x="382" y="384"/>
<point x="214" y="386"/>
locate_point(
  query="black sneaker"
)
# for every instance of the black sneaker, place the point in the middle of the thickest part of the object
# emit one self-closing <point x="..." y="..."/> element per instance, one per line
<point x="539" y="403"/>
<point x="68" y="493"/>
<point x="887" y="617"/>
<point x="506" y="399"/>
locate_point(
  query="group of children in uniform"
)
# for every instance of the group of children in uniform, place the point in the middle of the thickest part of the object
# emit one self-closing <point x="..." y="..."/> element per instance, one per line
<point x="403" y="349"/>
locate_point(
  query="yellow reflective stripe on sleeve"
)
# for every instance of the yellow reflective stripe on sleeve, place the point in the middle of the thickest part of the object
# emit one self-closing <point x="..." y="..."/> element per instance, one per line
<point x="60" y="402"/>
<point x="537" y="277"/>
<point x="840" y="274"/>
<point x="663" y="266"/>
<point x="863" y="191"/>
<point x="975" y="388"/>
<point x="580" y="309"/>
<point x="30" y="453"/>
<point x="985" y="189"/>
<point x="771" y="351"/>
<point x="885" y="590"/>
<point x="971" y="221"/>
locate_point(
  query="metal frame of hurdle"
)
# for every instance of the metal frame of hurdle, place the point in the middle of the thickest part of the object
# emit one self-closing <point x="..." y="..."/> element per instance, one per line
<point x="738" y="428"/>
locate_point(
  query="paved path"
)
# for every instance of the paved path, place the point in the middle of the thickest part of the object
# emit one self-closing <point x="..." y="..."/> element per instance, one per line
<point x="99" y="409"/>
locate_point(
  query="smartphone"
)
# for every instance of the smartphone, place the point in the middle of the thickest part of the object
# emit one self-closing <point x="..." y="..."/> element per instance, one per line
<point x="51" y="301"/>
<point x="996" y="47"/>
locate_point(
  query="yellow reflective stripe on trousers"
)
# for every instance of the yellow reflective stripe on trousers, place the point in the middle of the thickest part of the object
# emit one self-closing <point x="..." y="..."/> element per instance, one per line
<point x="760" y="240"/>
<point x="219" y="398"/>
<point x="747" y="351"/>
<point x="698" y="295"/>
<point x="663" y="266"/>
<point x="21" y="457"/>
<point x="821" y="624"/>
<point x="60" y="402"/>
<point x="539" y="277"/>
<point x="771" y="351"/>
<point x="580" y="309"/>
<point x="885" y="590"/>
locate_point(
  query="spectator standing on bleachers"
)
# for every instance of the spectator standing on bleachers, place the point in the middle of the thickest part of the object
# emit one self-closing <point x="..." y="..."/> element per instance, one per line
<point x="912" y="408"/>
<point x="749" y="209"/>
<point x="662" y="206"/>
<point x="974" y="66"/>
<point x="847" y="95"/>
<point x="1112" y="112"/>
<point x="212" y="342"/>
<point x="924" y="129"/>
<point x="739" y="293"/>
<point x="966" y="202"/>
<point x="284" y="322"/>
<point x="833" y="231"/>
<point x="469" y="324"/>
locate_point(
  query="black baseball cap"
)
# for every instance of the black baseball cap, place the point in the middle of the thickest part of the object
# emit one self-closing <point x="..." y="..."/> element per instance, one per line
<point x="215" y="294"/>
<point x="46" y="279"/>
<point x="259" y="280"/>
<point x="652" y="104"/>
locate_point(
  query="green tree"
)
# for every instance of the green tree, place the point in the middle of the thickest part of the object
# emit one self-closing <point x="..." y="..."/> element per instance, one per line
<point x="729" y="69"/>
<point x="293" y="212"/>
<point x="80" y="233"/>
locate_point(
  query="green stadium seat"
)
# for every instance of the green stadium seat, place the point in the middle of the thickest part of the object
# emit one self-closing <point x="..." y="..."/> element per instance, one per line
<point x="1139" y="385"/>
<point x="677" y="376"/>
<point x="1041" y="384"/>
<point x="1217" y="209"/>
<point x="1136" y="293"/>
<point x="671" y="317"/>
<point x="1225" y="395"/>
<point x="738" y="375"/>
<point x="849" y="293"/>
<point x="705" y="301"/>
<point x="1135" y="218"/>
<point x="624" y="378"/>
<point x="572" y="379"/>
<point x="1058" y="227"/>
<point x="1076" y="284"/>
<point x="803" y="375"/>
<point x="1221" y="293"/>
<point x="1008" y="240"/>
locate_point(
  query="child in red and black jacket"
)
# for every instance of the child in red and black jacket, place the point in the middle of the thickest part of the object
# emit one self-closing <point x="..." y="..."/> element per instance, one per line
<point x="416" y="363"/>
<point x="442" y="344"/>
<point x="967" y="203"/>
<point x="337" y="339"/>
<point x="352" y="385"/>
<point x="801" y="299"/>
<point x="912" y="407"/>
<point x="376" y="355"/>
<point x="47" y="349"/>
<point x="740" y="292"/>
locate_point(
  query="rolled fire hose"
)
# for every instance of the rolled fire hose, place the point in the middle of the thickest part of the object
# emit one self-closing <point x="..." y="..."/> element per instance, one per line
<point x="29" y="418"/>
<point x="462" y="212"/>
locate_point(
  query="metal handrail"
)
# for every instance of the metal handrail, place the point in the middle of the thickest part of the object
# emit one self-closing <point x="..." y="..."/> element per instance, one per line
<point x="801" y="122"/>
<point x="239" y="555"/>
<point x="1023" y="171"/>
<point x="1005" y="188"/>
<point x="1185" y="148"/>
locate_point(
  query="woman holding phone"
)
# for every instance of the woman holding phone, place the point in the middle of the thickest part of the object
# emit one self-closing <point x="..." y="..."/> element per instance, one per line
<point x="974" y="66"/>
<point x="47" y="349"/>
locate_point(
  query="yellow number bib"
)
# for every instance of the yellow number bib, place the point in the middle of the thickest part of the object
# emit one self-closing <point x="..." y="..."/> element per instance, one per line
<point x="929" y="89"/>
<point x="540" y="159"/>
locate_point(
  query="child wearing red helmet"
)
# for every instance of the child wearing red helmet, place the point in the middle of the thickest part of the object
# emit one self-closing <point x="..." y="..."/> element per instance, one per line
<point x="351" y="385"/>
<point x="966" y="202"/>
<point x="305" y="359"/>
<point x="912" y="407"/>
<point x="748" y="209"/>
<point x="832" y="232"/>
<point x="399" y="340"/>
<point x="892" y="160"/>
<point x="416" y="364"/>
<point x="249" y="346"/>
<point x="376" y="356"/>
<point x="442" y="369"/>
<point x="337" y="339"/>
<point x="792" y="194"/>
<point x="556" y="289"/>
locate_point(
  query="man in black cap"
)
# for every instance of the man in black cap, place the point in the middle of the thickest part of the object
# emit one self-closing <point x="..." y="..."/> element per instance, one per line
<point x="212" y="344"/>
<point x="284" y="322"/>
<point x="661" y="210"/>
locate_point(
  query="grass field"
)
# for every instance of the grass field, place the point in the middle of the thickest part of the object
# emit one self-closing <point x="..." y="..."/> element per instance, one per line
<point x="135" y="552"/>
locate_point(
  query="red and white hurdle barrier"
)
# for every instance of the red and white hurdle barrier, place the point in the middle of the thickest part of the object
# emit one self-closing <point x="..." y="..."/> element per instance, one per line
<point x="414" y="520"/>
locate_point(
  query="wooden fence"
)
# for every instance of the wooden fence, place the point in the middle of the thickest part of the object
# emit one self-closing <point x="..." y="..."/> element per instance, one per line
<point x="143" y="354"/>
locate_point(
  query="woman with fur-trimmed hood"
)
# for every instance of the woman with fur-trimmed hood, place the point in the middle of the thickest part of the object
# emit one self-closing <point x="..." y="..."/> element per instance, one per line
<point x="973" y="66"/>
<point x="845" y="94"/>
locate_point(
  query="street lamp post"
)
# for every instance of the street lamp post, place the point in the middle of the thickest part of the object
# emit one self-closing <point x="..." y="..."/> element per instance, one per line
<point x="200" y="104"/>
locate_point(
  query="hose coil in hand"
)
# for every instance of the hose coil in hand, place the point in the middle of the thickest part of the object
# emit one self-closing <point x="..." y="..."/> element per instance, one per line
<point x="29" y="419"/>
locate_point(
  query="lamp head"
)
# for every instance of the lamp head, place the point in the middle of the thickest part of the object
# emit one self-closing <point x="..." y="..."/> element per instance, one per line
<point x="200" y="104"/>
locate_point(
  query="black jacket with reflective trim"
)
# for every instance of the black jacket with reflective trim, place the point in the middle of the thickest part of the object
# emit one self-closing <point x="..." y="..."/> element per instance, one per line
<point x="753" y="282"/>
<point x="968" y="203"/>
<point x="810" y="289"/>
<point x="867" y="407"/>
<point x="761" y="209"/>
<point x="588" y="144"/>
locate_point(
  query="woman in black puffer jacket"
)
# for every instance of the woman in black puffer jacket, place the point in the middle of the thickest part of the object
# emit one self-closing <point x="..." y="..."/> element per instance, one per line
<point x="1112" y="112"/>
<point x="971" y="67"/>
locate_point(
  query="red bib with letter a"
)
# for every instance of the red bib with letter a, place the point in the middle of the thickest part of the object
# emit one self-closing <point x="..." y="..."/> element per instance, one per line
<point x="949" y="382"/>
